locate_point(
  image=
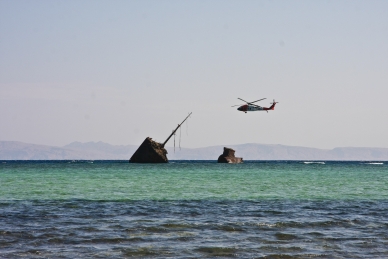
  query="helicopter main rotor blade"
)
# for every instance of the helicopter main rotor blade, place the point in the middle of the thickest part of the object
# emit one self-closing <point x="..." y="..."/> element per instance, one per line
<point x="242" y="100"/>
<point x="251" y="102"/>
<point x="258" y="100"/>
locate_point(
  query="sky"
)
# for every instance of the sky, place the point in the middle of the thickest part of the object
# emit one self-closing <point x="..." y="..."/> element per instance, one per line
<point x="121" y="71"/>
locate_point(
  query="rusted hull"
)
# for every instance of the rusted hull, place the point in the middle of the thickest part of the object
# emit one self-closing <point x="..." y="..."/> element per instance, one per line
<point x="150" y="152"/>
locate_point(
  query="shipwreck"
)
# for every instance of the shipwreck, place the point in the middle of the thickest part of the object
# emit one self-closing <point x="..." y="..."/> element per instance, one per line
<point x="228" y="157"/>
<point x="151" y="151"/>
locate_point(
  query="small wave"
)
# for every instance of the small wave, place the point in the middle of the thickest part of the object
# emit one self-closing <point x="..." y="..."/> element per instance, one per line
<point x="217" y="251"/>
<point x="284" y="236"/>
<point x="374" y="163"/>
<point x="266" y="225"/>
<point x="322" y="163"/>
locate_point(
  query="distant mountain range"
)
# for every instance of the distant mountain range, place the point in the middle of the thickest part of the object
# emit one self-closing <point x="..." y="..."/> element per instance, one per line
<point x="13" y="150"/>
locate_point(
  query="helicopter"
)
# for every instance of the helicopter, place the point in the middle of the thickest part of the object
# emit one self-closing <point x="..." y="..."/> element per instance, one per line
<point x="250" y="107"/>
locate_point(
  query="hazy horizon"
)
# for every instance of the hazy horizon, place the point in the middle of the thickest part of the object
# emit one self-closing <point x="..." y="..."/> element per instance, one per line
<point x="121" y="71"/>
<point x="171" y="145"/>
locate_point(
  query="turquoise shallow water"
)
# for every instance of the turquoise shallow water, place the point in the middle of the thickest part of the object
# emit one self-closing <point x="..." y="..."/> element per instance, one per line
<point x="103" y="180"/>
<point x="193" y="209"/>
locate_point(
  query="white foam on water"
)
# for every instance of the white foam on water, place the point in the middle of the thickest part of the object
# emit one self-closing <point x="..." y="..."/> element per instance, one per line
<point x="322" y="163"/>
<point x="374" y="163"/>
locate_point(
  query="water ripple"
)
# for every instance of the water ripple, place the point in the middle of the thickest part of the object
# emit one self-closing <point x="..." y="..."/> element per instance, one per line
<point x="160" y="229"/>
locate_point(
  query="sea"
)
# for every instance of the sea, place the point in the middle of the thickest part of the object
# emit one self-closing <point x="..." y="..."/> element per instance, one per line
<point x="194" y="209"/>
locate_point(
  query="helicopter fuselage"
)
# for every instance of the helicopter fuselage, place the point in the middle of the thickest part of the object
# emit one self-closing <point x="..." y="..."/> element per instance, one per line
<point x="250" y="108"/>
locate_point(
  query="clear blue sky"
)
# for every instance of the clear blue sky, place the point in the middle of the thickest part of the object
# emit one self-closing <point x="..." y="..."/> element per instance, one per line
<point x="119" y="71"/>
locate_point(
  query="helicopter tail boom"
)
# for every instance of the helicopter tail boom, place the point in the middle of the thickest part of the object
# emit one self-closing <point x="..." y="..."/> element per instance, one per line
<point x="272" y="106"/>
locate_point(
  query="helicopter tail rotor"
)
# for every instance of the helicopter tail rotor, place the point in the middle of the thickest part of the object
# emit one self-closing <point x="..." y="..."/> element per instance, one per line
<point x="272" y="106"/>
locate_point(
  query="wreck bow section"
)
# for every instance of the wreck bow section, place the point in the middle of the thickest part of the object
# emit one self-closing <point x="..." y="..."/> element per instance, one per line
<point x="150" y="152"/>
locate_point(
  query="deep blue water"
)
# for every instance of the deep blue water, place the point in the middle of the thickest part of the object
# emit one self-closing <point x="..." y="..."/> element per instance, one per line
<point x="193" y="209"/>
